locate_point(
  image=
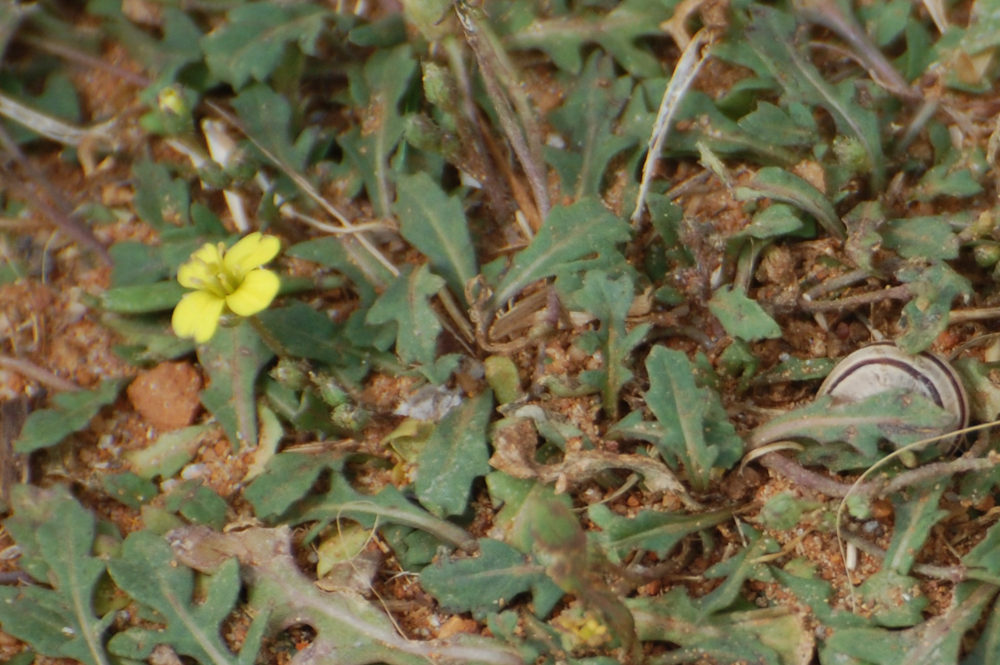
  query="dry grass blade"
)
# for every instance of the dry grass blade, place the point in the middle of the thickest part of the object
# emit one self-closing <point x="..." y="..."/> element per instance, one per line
<point x="830" y="15"/>
<point x="500" y="80"/>
<point x="692" y="59"/>
<point x="55" y="129"/>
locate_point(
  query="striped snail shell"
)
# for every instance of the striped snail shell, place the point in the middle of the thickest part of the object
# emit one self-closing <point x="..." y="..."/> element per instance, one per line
<point x="884" y="366"/>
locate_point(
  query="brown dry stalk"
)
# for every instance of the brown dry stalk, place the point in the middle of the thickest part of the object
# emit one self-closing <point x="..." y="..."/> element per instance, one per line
<point x="31" y="371"/>
<point x="876" y="488"/>
<point x="900" y="292"/>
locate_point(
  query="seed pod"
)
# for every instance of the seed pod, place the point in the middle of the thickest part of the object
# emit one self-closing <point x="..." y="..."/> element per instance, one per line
<point x="884" y="366"/>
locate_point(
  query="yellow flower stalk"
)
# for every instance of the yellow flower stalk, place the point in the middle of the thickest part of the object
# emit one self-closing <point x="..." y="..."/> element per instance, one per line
<point x="225" y="279"/>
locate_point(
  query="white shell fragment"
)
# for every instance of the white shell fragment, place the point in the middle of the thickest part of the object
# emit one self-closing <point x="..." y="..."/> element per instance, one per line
<point x="884" y="366"/>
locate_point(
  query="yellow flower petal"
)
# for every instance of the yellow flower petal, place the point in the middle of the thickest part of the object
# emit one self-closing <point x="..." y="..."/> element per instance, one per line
<point x="251" y="252"/>
<point x="210" y="253"/>
<point x="202" y="268"/>
<point x="197" y="315"/>
<point x="255" y="293"/>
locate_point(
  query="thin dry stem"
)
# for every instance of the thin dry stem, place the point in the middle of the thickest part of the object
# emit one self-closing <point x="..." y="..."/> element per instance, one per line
<point x="32" y="371"/>
<point x="877" y="488"/>
<point x="951" y="573"/>
<point x="900" y="292"/>
<point x="979" y="314"/>
<point x="53" y="128"/>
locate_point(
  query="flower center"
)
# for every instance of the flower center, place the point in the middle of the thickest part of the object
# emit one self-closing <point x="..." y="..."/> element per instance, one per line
<point x="228" y="280"/>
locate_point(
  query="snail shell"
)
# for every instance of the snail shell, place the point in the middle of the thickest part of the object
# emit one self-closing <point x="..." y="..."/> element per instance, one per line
<point x="884" y="366"/>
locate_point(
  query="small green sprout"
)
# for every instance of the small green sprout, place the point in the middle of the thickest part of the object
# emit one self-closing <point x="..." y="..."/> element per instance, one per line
<point x="230" y="279"/>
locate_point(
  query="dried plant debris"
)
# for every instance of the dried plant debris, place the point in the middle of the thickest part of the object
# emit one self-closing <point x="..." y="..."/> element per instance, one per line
<point x="531" y="373"/>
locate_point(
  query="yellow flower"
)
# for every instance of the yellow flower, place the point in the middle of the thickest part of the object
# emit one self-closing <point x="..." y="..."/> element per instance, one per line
<point x="224" y="279"/>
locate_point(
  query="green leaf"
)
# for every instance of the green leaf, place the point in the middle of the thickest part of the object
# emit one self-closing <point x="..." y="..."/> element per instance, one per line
<point x="897" y="416"/>
<point x="166" y="56"/>
<point x="609" y="299"/>
<point x="559" y="542"/>
<point x="59" y="621"/>
<point x="331" y="252"/>
<point x="816" y="594"/>
<point x="169" y="453"/>
<point x="925" y="317"/>
<point x="160" y="199"/>
<point x="299" y="330"/>
<point x="136" y="263"/>
<point x="772" y="124"/>
<point x="915" y="511"/>
<point x="894" y="598"/>
<point x="771" y="636"/>
<point x="233" y="358"/>
<point x="388" y="506"/>
<point x="142" y="298"/>
<point x="711" y="130"/>
<point x="933" y="642"/>
<point x="795" y="369"/>
<point x="435" y="224"/>
<point x="985" y="556"/>
<point x="776" y="220"/>
<point x="406" y="302"/>
<point x="987" y="649"/>
<point x="619" y="32"/>
<point x="485" y="583"/>
<point x="771" y="35"/>
<point x="287" y="478"/>
<point x="71" y="412"/>
<point x="780" y="185"/>
<point x="735" y="571"/>
<point x="377" y="90"/>
<point x="253" y="38"/>
<point x="267" y="117"/>
<point x="147" y="571"/>
<point x="926" y="238"/>
<point x="174" y="51"/>
<point x="742" y="316"/>
<point x="586" y="121"/>
<point x="696" y="430"/>
<point x="957" y="178"/>
<point x="783" y="511"/>
<point x="649" y="530"/>
<point x="58" y="99"/>
<point x="348" y="628"/>
<point x="455" y="454"/>
<point x="572" y="239"/>
<point x="519" y="498"/>
<point x="129" y="488"/>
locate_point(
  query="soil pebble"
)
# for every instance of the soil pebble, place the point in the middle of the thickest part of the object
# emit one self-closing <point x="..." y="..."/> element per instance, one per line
<point x="167" y="395"/>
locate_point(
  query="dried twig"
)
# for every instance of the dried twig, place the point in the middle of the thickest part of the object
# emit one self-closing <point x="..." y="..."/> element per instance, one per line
<point x="977" y="314"/>
<point x="35" y="373"/>
<point x="53" y="128"/>
<point x="900" y="292"/>
<point x="876" y="488"/>
<point x="951" y="573"/>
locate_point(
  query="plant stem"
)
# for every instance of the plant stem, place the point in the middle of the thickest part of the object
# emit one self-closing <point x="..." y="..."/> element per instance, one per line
<point x="874" y="489"/>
